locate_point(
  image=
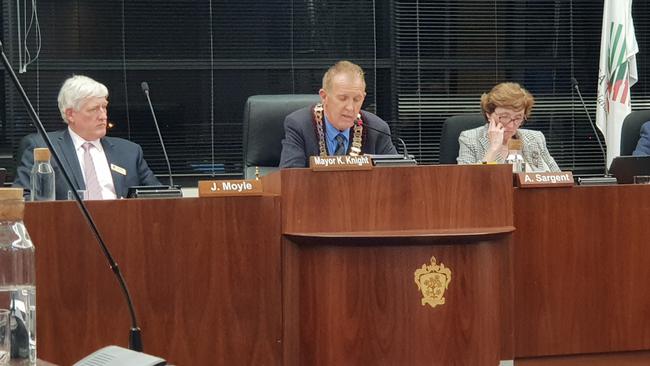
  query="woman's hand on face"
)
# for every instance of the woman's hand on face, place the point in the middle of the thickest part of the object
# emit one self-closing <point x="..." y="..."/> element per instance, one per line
<point x="495" y="134"/>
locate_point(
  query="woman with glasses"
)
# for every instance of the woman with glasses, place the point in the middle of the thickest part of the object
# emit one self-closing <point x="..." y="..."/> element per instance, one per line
<point x="506" y="108"/>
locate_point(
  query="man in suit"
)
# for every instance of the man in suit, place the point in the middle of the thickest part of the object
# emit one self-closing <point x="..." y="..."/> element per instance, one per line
<point x="643" y="146"/>
<point x="105" y="167"/>
<point x="336" y="125"/>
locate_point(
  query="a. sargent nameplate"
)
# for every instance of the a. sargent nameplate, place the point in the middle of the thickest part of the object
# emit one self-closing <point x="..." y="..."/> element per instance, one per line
<point x="217" y="188"/>
<point x="547" y="179"/>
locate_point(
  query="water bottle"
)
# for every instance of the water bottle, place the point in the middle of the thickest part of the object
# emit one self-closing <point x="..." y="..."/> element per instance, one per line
<point x="42" y="177"/>
<point x="515" y="156"/>
<point x="17" y="277"/>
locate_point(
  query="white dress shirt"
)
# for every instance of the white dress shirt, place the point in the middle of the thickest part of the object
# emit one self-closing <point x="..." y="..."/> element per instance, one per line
<point x="101" y="164"/>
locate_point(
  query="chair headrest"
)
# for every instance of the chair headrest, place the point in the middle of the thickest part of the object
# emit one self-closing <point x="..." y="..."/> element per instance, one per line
<point x="451" y="130"/>
<point x="264" y="125"/>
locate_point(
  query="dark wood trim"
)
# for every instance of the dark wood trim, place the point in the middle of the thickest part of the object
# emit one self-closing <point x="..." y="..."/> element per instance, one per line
<point x="638" y="358"/>
<point x="405" y="234"/>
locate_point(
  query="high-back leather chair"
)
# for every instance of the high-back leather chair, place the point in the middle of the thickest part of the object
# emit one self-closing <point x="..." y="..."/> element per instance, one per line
<point x="631" y="129"/>
<point x="264" y="129"/>
<point x="451" y="130"/>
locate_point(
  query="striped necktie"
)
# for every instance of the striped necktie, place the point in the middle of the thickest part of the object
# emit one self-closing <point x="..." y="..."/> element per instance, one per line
<point x="93" y="188"/>
<point x="340" y="144"/>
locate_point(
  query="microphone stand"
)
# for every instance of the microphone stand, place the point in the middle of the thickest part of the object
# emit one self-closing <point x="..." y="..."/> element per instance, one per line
<point x="135" y="337"/>
<point x="405" y="158"/>
<point x="606" y="179"/>
<point x="145" y="89"/>
<point x="169" y="191"/>
<point x="574" y="82"/>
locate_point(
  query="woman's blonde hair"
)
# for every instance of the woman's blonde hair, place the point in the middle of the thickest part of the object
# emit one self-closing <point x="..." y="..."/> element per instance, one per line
<point x="507" y="95"/>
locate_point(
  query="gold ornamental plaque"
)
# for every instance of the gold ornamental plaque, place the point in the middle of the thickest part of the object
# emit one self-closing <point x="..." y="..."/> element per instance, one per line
<point x="432" y="281"/>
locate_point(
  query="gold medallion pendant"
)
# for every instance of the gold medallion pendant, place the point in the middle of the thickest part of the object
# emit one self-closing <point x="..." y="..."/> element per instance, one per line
<point x="357" y="133"/>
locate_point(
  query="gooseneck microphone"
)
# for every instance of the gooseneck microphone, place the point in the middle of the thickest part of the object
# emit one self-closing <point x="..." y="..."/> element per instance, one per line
<point x="574" y="85"/>
<point x="135" y="339"/>
<point x="145" y="89"/>
<point x="365" y="125"/>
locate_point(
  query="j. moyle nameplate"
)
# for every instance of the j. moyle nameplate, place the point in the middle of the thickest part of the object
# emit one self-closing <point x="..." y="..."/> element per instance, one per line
<point x="217" y="188"/>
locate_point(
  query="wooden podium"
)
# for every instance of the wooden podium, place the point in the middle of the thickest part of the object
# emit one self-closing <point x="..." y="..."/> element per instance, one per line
<point x="352" y="244"/>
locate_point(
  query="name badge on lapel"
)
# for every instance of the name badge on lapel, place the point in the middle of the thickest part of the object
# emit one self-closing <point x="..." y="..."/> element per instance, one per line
<point x="118" y="169"/>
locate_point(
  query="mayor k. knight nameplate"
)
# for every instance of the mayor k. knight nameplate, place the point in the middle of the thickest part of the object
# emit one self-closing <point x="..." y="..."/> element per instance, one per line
<point x="218" y="188"/>
<point x="547" y="179"/>
<point x="340" y="162"/>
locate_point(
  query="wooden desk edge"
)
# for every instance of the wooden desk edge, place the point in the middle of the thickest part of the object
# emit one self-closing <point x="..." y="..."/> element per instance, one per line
<point x="476" y="233"/>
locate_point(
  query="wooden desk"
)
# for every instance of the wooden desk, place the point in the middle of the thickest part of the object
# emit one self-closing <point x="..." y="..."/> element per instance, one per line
<point x="203" y="273"/>
<point x="582" y="266"/>
<point x="323" y="272"/>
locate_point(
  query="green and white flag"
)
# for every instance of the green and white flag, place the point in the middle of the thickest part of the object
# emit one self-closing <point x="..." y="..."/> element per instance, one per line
<point x="616" y="72"/>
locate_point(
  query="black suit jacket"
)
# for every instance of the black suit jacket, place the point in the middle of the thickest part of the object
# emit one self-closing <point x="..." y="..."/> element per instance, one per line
<point x="122" y="153"/>
<point x="300" y="138"/>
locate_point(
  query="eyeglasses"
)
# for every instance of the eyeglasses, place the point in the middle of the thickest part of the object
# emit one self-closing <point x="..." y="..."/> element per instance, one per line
<point x="506" y="120"/>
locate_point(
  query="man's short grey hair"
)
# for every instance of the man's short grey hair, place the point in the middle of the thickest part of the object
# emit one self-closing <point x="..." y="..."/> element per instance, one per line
<point x="77" y="89"/>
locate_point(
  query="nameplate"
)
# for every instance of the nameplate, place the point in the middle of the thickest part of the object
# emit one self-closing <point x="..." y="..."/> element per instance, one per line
<point x="538" y="180"/>
<point x="342" y="162"/>
<point x="220" y="188"/>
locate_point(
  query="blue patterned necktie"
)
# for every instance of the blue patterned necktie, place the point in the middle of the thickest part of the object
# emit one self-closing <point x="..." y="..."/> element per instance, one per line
<point x="340" y="144"/>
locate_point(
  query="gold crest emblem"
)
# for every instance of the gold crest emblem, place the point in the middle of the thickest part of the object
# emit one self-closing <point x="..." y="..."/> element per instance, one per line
<point x="432" y="281"/>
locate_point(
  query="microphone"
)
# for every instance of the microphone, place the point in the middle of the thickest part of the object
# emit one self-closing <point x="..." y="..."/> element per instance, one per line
<point x="405" y="155"/>
<point x="145" y="89"/>
<point x="135" y="339"/>
<point x="574" y="85"/>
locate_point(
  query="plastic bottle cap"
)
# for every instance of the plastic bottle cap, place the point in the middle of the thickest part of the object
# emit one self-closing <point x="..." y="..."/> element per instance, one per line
<point x="11" y="193"/>
<point x="42" y="153"/>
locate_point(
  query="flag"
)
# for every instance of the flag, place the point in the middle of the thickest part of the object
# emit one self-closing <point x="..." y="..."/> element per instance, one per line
<point x="616" y="72"/>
